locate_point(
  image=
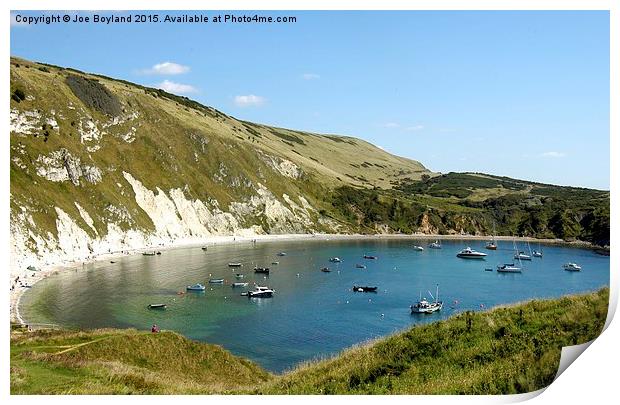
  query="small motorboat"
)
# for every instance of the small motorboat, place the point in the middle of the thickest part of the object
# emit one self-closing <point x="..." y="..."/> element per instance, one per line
<point x="239" y="275"/>
<point x="435" y="245"/>
<point x="148" y="253"/>
<point x="570" y="266"/>
<point x="260" y="292"/>
<point x="112" y="261"/>
<point x="216" y="281"/>
<point x="369" y="257"/>
<point x="204" y="248"/>
<point x="360" y="266"/>
<point x="32" y="268"/>
<point x="418" y="248"/>
<point x="469" y="253"/>
<point x="488" y="269"/>
<point x="196" y="287"/>
<point x="281" y="254"/>
<point x="235" y="264"/>
<point x="158" y="253"/>
<point x="239" y="284"/>
<point x="325" y="270"/>
<point x="335" y="260"/>
<point x="275" y="263"/>
<point x="508" y="268"/>
<point x="264" y="270"/>
<point x="425" y="307"/>
<point x="364" y="289"/>
<point x="157" y="306"/>
<point x="536" y="253"/>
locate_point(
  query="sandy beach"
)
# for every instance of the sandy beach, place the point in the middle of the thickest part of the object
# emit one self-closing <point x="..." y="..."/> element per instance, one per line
<point x="30" y="278"/>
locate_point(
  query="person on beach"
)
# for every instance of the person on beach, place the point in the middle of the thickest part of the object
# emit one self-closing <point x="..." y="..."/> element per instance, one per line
<point x="155" y="329"/>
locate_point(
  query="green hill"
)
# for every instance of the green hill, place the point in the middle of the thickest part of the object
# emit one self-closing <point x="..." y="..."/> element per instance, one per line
<point x="99" y="165"/>
<point x="502" y="351"/>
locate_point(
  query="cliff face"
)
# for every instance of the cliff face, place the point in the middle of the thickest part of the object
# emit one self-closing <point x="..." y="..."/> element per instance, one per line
<point x="101" y="165"/>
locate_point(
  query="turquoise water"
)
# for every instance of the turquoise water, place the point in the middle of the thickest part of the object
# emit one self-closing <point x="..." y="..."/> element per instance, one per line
<point x="312" y="313"/>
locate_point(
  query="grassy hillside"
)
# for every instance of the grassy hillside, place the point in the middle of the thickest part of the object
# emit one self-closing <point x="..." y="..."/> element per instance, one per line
<point x="505" y="350"/>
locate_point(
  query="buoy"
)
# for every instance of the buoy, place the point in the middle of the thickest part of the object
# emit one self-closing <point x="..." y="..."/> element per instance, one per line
<point x="347" y="301"/>
<point x="382" y="315"/>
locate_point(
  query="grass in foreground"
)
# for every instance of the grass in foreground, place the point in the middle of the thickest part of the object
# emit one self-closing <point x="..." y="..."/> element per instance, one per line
<point x="503" y="351"/>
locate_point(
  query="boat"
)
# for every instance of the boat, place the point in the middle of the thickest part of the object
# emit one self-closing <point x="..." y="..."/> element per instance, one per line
<point x="204" y="248"/>
<point x="360" y="266"/>
<point x="491" y="245"/>
<point x="335" y="260"/>
<point x="508" y="268"/>
<point x="275" y="263"/>
<point x="158" y="253"/>
<point x="239" y="284"/>
<point x="364" y="289"/>
<point x="435" y="245"/>
<point x="239" y="275"/>
<point x="537" y="253"/>
<point x="196" y="287"/>
<point x="425" y="307"/>
<point x="370" y="257"/>
<point x="112" y="262"/>
<point x="488" y="269"/>
<point x="522" y="256"/>
<point x="325" y="270"/>
<point x="570" y="266"/>
<point x="32" y="268"/>
<point x="260" y="292"/>
<point x="281" y="254"/>
<point x="216" y="281"/>
<point x="418" y="248"/>
<point x="157" y="306"/>
<point x="264" y="270"/>
<point x="235" y="264"/>
<point x="469" y="253"/>
<point x="148" y="253"/>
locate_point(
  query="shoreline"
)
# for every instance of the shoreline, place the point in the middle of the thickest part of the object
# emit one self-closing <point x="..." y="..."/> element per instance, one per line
<point x="17" y="292"/>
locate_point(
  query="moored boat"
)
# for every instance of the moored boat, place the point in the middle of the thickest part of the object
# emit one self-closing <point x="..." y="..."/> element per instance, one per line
<point x="264" y="270"/>
<point x="325" y="270"/>
<point x="370" y="257"/>
<point x="260" y="292"/>
<point x="235" y="264"/>
<point x="508" y="268"/>
<point x="570" y="266"/>
<point x="335" y="260"/>
<point x="148" y="253"/>
<point x="360" y="266"/>
<point x="239" y="275"/>
<point x="196" y="287"/>
<point x="521" y="255"/>
<point x="435" y="245"/>
<point x="216" y="281"/>
<point x="239" y="284"/>
<point x="423" y="306"/>
<point x="281" y="254"/>
<point x="469" y="253"/>
<point x="418" y="248"/>
<point x="364" y="289"/>
<point x="157" y="306"/>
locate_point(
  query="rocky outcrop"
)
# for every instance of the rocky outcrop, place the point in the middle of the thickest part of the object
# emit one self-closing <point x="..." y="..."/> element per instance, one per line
<point x="61" y="165"/>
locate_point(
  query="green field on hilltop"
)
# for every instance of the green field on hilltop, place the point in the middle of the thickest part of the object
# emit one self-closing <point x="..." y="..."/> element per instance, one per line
<point x="505" y="350"/>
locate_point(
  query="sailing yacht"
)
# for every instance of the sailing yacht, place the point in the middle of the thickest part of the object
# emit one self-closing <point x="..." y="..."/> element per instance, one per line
<point x="538" y="253"/>
<point x="435" y="245"/>
<point x="492" y="245"/>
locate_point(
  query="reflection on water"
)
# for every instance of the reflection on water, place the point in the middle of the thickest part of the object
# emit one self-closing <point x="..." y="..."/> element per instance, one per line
<point x="312" y="313"/>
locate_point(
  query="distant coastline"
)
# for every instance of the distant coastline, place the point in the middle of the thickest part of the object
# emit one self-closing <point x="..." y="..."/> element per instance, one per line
<point x="32" y="277"/>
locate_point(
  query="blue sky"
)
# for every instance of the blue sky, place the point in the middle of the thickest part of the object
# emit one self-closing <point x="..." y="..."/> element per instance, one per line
<point x="521" y="94"/>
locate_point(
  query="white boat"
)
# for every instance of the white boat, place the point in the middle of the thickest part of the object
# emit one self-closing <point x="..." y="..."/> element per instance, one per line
<point x="469" y="253"/>
<point x="425" y="307"/>
<point x="216" y="281"/>
<point x="492" y="245"/>
<point x="239" y="275"/>
<point x="435" y="245"/>
<point x="508" y="268"/>
<point x="570" y="266"/>
<point x="196" y="287"/>
<point x="335" y="260"/>
<point x="235" y="264"/>
<point x="261" y="292"/>
<point x="281" y="254"/>
<point x="537" y="253"/>
<point x="239" y="284"/>
<point x="522" y="256"/>
<point x="418" y="248"/>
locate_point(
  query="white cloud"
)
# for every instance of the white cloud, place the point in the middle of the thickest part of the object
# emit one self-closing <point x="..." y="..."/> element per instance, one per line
<point x="166" y="68"/>
<point x="391" y="125"/>
<point x="415" y="128"/>
<point x="176" y="88"/>
<point x="249" y="101"/>
<point x="310" y="76"/>
<point x="553" y="154"/>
